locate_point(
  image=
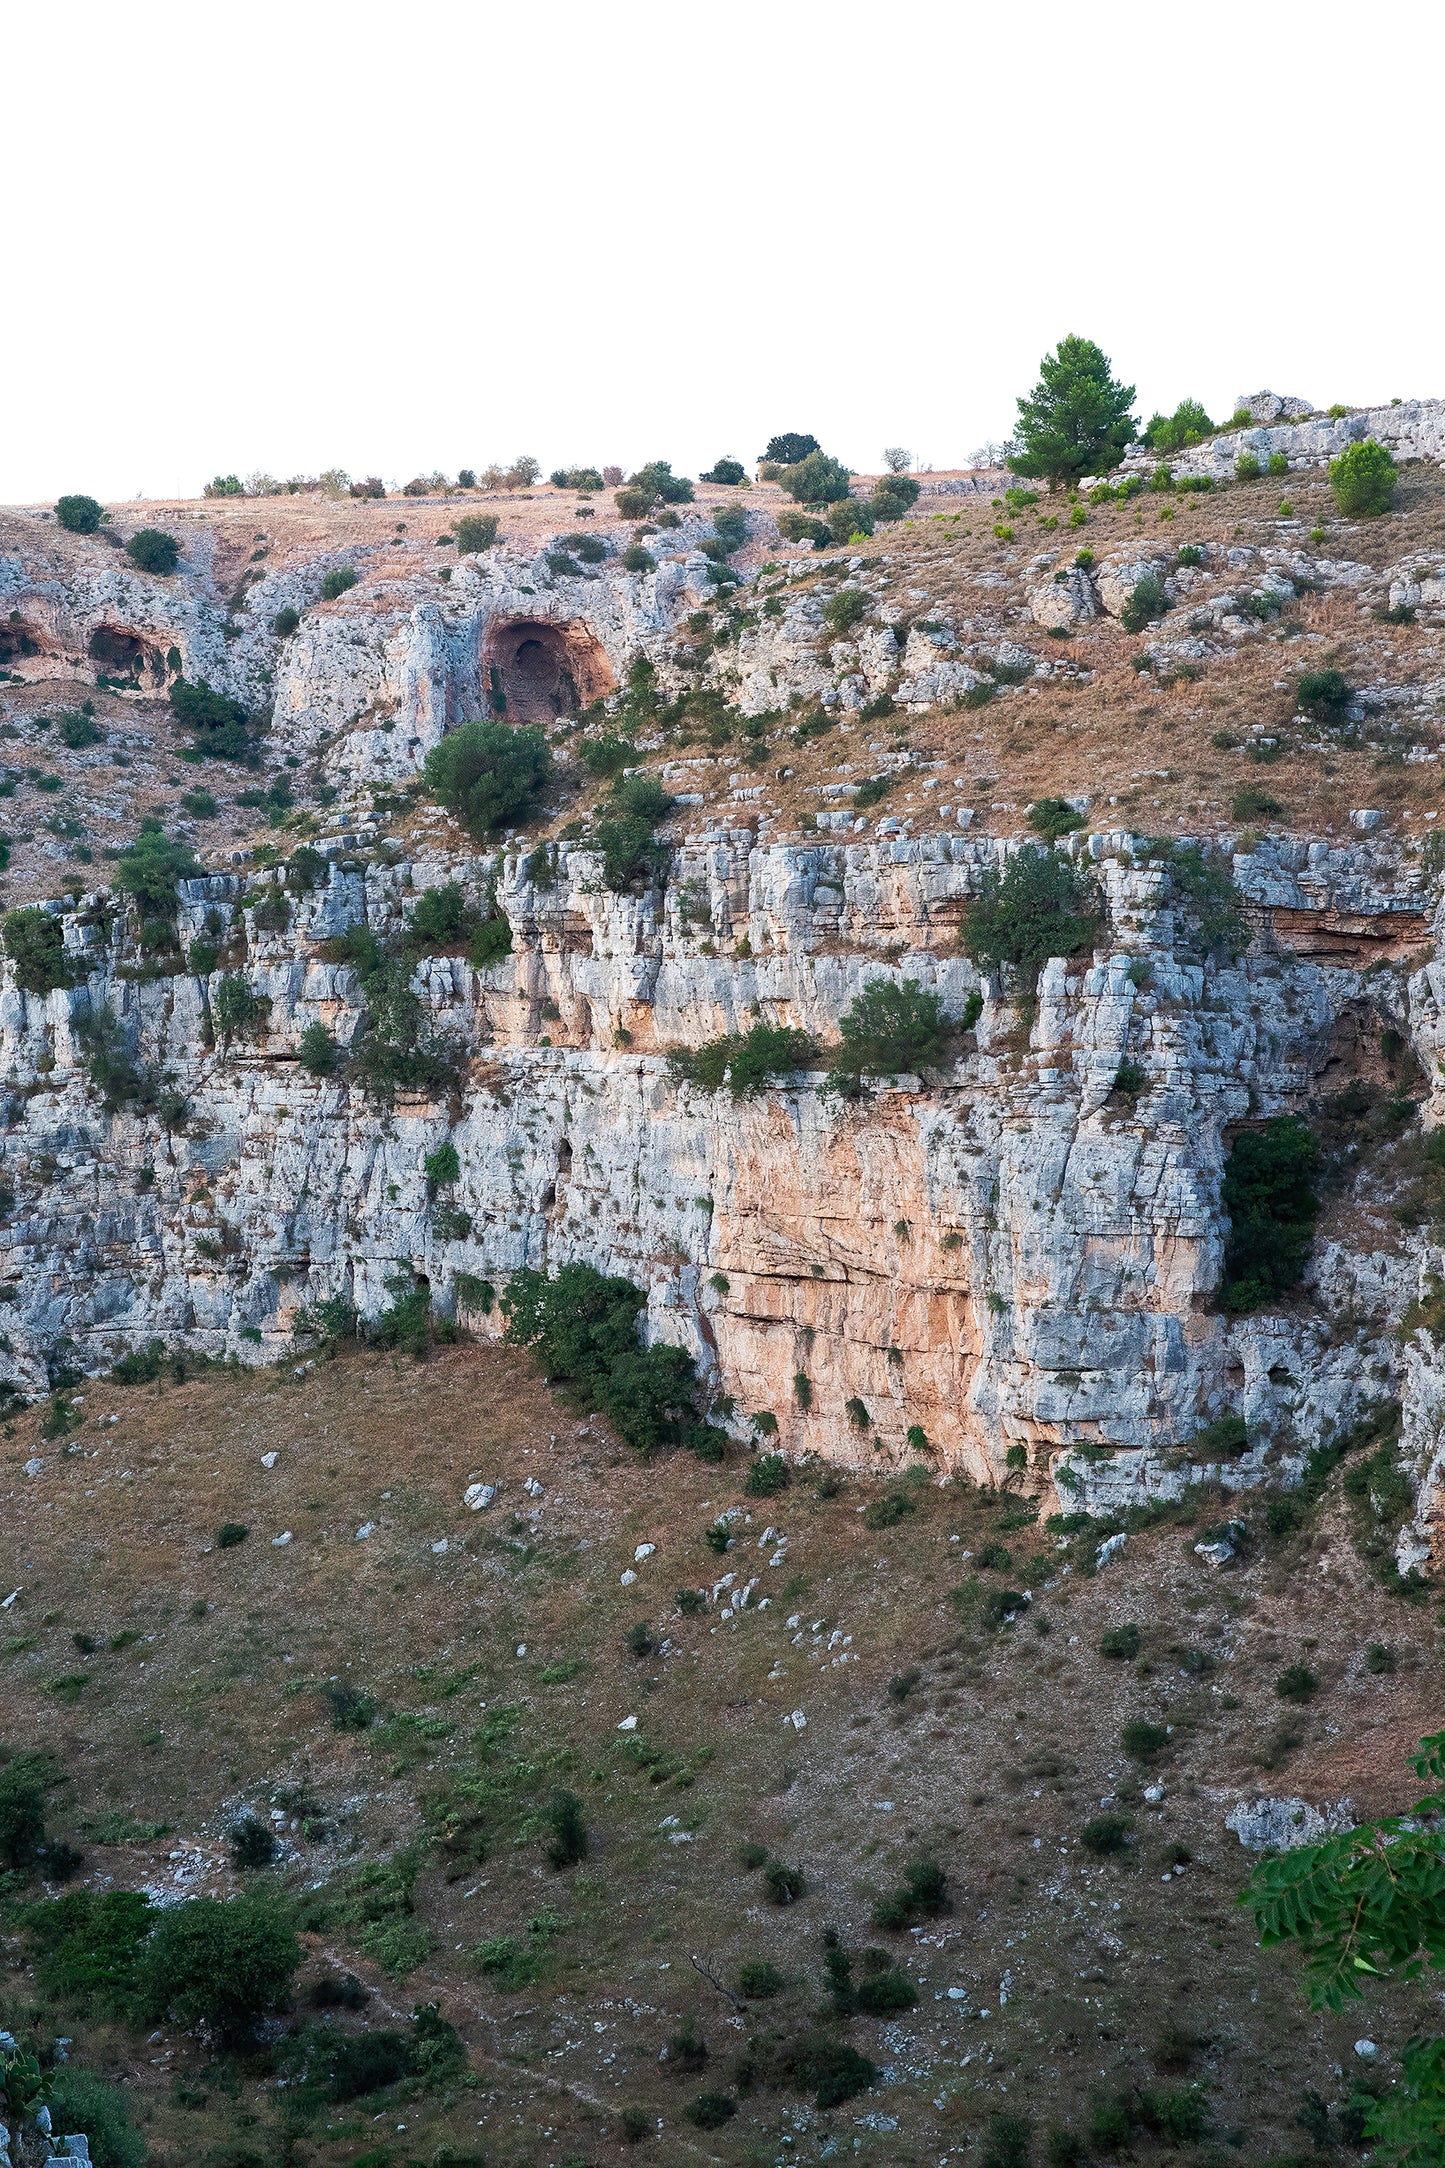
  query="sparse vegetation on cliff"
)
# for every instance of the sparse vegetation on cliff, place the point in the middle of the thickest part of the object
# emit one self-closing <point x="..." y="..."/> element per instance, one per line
<point x="1039" y="906"/>
<point x="488" y="774"/>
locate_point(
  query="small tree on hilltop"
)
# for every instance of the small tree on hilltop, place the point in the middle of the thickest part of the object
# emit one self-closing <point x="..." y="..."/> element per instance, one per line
<point x="80" y="514"/>
<point x="151" y="549"/>
<point x="1076" y="420"/>
<point x="816" y="479"/>
<point x="789" y="448"/>
<point x="1363" y="479"/>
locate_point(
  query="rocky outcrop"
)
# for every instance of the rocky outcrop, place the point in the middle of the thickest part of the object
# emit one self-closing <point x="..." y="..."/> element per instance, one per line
<point x="1009" y="1255"/>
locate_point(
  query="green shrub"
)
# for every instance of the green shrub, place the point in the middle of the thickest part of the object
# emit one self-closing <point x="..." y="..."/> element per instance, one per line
<point x="638" y="559"/>
<point x="782" y="1885"/>
<point x="816" y="479"/>
<point x="1008" y="2142"/>
<point x="894" y="496"/>
<point x="1040" y="906"/>
<point x="1194" y="485"/>
<point x="567" y="1839"/>
<point x="803" y="1390"/>
<point x="841" y="612"/>
<point x="1277" y="464"/>
<point x="35" y="944"/>
<point x="1053" y="817"/>
<point x="827" y="2067"/>
<point x="799" y="527"/>
<point x="768" y="1475"/>
<point x="582" y="1328"/>
<point x="1296" y="1683"/>
<point x="80" y="2100"/>
<point x="888" y="1510"/>
<point x="746" y="1063"/>
<point x="285" y="622"/>
<point x="709" y="2111"/>
<point x="1246" y="468"/>
<point x="152" y="550"/>
<point x="1076" y="421"/>
<point x="1251" y="803"/>
<point x="1121" y="1642"/>
<point x="24" y="1782"/>
<point x="149" y="870"/>
<point x="79" y="514"/>
<point x="890" y="1029"/>
<point x="250" y="1844"/>
<point x="1107" y="1834"/>
<point x="922" y="1895"/>
<point x="1147" y="600"/>
<point x="78" y="729"/>
<point x="1323" y="694"/>
<point x="1379" y="1658"/>
<point x="441" y="1166"/>
<point x="730" y="524"/>
<point x="490" y="942"/>
<point x="1177" y="2113"/>
<point x="488" y="774"/>
<point x="1363" y="479"/>
<point x="337" y="581"/>
<point x="222" y="1963"/>
<point x="1188" y="424"/>
<point x="849" y="517"/>
<point x="441" y="920"/>
<point x="476" y="532"/>
<point x="230" y="1534"/>
<point x="1130" y="1080"/>
<point x="236" y="1007"/>
<point x="1272" y="1209"/>
<point x="1222" y="1439"/>
<point x="1141" y="1741"/>
<point x="757" y="1979"/>
<point x="219" y="726"/>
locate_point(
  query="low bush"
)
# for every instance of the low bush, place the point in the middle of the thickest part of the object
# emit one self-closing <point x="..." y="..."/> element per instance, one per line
<point x="337" y="581"/>
<point x="1147" y="601"/>
<point x="1363" y="479"/>
<point x="1246" y="468"/>
<point x="220" y="727"/>
<point x="1053" y="817"/>
<point x="251" y="1844"/>
<point x="1120" y="1642"/>
<point x="782" y="1885"/>
<point x="1141" y="1740"/>
<point x="582" y="1328"/>
<point x="638" y="559"/>
<point x="476" y="532"/>
<point x="78" y="2099"/>
<point x="887" y="1510"/>
<point x="1251" y="803"/>
<point x="768" y="1475"/>
<point x="230" y="1535"/>
<point x="745" y="1063"/>
<point x="488" y="774"/>
<point x="1040" y="906"/>
<point x="1267" y="1193"/>
<point x="849" y="517"/>
<point x="882" y="1991"/>
<point x="225" y="1963"/>
<point x="79" y="514"/>
<point x="894" y="496"/>
<point x="801" y="527"/>
<point x="816" y="479"/>
<point x="35" y="944"/>
<point x="1323" y="695"/>
<point x="757" y="1979"/>
<point x="152" y="550"/>
<point x="1223" y="1439"/>
<point x="1296" y="1683"/>
<point x="1194" y="485"/>
<point x="317" y="1052"/>
<point x="1008" y="2142"/>
<point x="890" y="1029"/>
<point x="922" y="1895"/>
<point x="841" y="612"/>
<point x="567" y="1829"/>
<point x="1107" y="1834"/>
<point x="1188" y="424"/>
<point x="24" y="1782"/>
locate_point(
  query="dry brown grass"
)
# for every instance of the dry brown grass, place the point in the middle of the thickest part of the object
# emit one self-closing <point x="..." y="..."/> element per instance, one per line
<point x="1006" y="1739"/>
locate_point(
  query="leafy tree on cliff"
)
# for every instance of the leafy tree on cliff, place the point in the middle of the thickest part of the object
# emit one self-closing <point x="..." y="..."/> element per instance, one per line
<point x="1076" y="420"/>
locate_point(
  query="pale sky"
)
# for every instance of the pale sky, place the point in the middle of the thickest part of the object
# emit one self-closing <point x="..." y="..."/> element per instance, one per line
<point x="396" y="239"/>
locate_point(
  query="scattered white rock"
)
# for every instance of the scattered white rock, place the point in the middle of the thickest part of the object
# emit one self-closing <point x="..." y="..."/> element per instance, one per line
<point x="644" y="1550"/>
<point x="629" y="1723"/>
<point x="798" y="1721"/>
<point x="478" y="1495"/>
<point x="1277" y="1825"/>
<point x="33" y="1467"/>
<point x="628" y="1578"/>
<point x="367" y="1528"/>
<point x="268" y="1460"/>
<point x="278" y="1541"/>
<point x="1109" y="1548"/>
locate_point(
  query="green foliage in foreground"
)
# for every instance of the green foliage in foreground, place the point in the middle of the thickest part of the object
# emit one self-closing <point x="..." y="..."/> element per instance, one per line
<point x="890" y="1030"/>
<point x="1369" y="1905"/>
<point x="582" y="1328"/>
<point x="1363" y="479"/>
<point x="745" y="1063"/>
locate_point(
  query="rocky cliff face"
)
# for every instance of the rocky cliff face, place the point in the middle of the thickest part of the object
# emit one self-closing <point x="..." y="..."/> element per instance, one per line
<point x="1010" y="1257"/>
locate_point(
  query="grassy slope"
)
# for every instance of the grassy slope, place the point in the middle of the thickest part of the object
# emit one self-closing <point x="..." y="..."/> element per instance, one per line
<point x="995" y="1759"/>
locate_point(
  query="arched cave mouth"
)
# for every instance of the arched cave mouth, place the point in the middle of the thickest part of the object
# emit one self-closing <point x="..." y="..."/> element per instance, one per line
<point x="21" y="641"/>
<point x="121" y="654"/>
<point x="536" y="671"/>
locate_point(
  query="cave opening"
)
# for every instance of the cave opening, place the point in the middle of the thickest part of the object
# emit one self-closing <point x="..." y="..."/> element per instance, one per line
<point x="536" y="671"/>
<point x="117" y="653"/>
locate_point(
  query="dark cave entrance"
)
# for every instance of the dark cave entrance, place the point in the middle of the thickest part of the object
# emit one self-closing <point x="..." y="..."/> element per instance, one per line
<point x="120" y="654"/>
<point x="536" y="671"/>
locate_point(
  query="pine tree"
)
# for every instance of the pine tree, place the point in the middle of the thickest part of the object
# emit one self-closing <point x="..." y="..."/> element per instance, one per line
<point x="1077" y="420"/>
